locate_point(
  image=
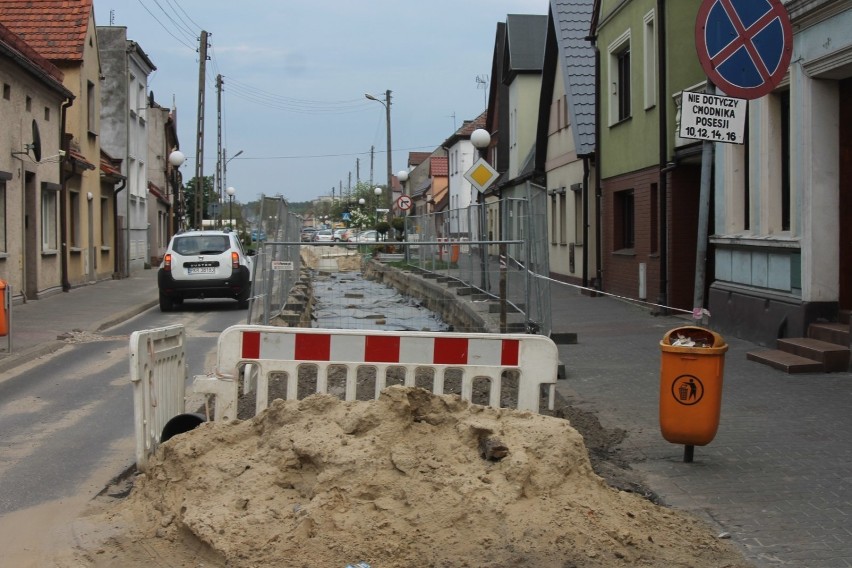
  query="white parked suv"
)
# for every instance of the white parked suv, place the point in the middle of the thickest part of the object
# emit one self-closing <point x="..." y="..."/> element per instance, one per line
<point x="204" y="264"/>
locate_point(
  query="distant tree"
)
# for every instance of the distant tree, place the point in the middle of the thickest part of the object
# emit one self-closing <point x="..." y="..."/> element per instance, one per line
<point x="208" y="195"/>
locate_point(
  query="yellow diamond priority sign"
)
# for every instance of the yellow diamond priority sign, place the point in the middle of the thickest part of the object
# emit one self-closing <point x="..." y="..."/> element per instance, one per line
<point x="481" y="175"/>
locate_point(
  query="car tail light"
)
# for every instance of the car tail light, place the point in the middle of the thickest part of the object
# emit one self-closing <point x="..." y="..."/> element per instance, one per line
<point x="167" y="262"/>
<point x="235" y="259"/>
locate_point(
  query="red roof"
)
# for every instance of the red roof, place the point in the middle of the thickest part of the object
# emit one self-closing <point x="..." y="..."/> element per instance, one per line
<point x="18" y="44"/>
<point x="55" y="28"/>
<point x="438" y="167"/>
<point x="417" y="158"/>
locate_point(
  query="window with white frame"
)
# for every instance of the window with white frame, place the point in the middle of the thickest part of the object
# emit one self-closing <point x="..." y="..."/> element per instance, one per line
<point x="619" y="79"/>
<point x="49" y="217"/>
<point x="650" y="59"/>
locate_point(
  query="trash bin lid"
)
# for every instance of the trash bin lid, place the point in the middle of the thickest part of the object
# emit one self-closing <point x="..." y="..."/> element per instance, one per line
<point x="693" y="339"/>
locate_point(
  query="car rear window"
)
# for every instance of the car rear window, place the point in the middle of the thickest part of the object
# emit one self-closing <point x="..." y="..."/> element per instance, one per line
<point x="205" y="244"/>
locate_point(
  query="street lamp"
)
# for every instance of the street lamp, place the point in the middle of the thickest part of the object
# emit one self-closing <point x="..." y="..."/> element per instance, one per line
<point x="387" y="104"/>
<point x="176" y="160"/>
<point x="481" y="139"/>
<point x="223" y="181"/>
<point x="231" y="191"/>
<point x="378" y="192"/>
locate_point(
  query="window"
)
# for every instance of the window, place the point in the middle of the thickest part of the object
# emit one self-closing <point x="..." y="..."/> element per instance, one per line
<point x="655" y="238"/>
<point x="49" y="204"/>
<point x="90" y="109"/>
<point x="3" y="216"/>
<point x="650" y="54"/>
<point x="578" y="217"/>
<point x="74" y="220"/>
<point x="623" y="88"/>
<point x="619" y="79"/>
<point x="105" y="215"/>
<point x="623" y="217"/>
<point x="29" y="104"/>
<point x="554" y="217"/>
<point x="47" y="114"/>
<point x="7" y="91"/>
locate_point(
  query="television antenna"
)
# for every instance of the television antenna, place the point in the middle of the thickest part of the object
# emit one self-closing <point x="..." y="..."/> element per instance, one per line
<point x="482" y="83"/>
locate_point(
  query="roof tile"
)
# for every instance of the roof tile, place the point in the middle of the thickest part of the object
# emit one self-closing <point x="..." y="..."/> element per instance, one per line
<point x="55" y="28"/>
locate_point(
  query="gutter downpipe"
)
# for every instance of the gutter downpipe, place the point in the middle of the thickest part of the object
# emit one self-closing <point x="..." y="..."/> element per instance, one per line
<point x="598" y="194"/>
<point x="118" y="273"/>
<point x="63" y="207"/>
<point x="664" y="170"/>
<point x="585" y="221"/>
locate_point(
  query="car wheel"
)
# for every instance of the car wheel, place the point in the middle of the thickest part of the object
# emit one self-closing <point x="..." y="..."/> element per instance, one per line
<point x="166" y="303"/>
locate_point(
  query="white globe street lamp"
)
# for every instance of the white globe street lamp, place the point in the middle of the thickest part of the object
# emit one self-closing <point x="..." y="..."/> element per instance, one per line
<point x="176" y="160"/>
<point x="231" y="191"/>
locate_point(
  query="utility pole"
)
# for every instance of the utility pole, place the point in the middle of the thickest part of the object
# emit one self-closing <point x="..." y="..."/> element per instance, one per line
<point x="199" y="140"/>
<point x="390" y="155"/>
<point x="372" y="157"/>
<point x="357" y="171"/>
<point x="220" y="152"/>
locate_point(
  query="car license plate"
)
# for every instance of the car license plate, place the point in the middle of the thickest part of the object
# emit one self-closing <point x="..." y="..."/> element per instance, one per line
<point x="201" y="270"/>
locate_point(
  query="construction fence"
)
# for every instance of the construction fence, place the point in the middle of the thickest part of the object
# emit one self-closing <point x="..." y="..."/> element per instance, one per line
<point x="497" y="248"/>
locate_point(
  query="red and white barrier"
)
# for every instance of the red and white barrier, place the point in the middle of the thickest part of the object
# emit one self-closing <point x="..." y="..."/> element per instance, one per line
<point x="262" y="350"/>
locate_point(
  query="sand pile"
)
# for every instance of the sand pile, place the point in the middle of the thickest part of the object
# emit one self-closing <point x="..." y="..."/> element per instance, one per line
<point x="400" y="482"/>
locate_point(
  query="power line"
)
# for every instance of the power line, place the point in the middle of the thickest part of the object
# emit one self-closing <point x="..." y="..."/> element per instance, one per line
<point x="195" y="31"/>
<point x="178" y="26"/>
<point x="168" y="31"/>
<point x="312" y="156"/>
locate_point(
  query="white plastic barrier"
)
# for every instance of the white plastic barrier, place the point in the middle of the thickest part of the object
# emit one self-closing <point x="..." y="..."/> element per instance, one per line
<point x="262" y="350"/>
<point x="158" y="374"/>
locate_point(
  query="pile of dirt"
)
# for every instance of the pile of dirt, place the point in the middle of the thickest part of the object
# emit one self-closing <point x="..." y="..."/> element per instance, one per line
<point x="399" y="482"/>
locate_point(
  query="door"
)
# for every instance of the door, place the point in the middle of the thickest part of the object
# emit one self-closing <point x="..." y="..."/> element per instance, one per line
<point x="845" y="198"/>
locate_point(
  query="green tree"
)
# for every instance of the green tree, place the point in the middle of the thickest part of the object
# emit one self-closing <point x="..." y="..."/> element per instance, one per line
<point x="208" y="196"/>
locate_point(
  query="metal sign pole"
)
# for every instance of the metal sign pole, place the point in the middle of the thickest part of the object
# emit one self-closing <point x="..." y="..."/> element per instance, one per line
<point x="703" y="222"/>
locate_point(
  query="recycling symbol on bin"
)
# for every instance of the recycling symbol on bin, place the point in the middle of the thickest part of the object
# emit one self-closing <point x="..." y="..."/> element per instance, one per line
<point x="688" y="390"/>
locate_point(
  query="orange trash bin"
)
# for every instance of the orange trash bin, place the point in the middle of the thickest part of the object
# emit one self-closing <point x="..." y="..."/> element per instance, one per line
<point x="691" y="371"/>
<point x="454" y="256"/>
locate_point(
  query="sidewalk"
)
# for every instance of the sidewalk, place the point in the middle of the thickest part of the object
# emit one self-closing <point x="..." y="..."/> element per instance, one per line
<point x="777" y="475"/>
<point x="37" y="324"/>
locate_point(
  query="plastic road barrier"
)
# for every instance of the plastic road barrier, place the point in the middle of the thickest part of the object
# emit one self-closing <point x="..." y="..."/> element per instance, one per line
<point x="691" y="370"/>
<point x="268" y="350"/>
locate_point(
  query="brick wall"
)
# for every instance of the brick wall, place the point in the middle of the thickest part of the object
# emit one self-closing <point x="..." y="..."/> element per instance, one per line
<point x="620" y="266"/>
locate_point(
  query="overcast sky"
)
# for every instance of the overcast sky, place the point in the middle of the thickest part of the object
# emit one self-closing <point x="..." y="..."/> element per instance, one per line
<point x="295" y="74"/>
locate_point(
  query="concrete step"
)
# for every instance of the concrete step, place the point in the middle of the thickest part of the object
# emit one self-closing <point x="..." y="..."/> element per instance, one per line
<point x="784" y="361"/>
<point x="833" y="357"/>
<point x="831" y="332"/>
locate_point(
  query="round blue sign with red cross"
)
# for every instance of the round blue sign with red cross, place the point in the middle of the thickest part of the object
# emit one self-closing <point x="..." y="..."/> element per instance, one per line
<point x="744" y="46"/>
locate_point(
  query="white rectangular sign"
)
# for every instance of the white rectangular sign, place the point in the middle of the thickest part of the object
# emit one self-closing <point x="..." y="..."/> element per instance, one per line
<point x="282" y="265"/>
<point x="713" y="118"/>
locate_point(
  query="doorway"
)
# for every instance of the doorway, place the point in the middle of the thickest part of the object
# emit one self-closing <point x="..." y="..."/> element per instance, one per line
<point x="845" y="197"/>
<point x="31" y="235"/>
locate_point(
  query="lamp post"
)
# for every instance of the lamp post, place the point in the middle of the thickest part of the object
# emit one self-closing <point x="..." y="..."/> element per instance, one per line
<point x="225" y="176"/>
<point x="231" y="191"/>
<point x="402" y="176"/>
<point x="387" y="104"/>
<point x="378" y="192"/>
<point x="481" y="139"/>
<point x="176" y="160"/>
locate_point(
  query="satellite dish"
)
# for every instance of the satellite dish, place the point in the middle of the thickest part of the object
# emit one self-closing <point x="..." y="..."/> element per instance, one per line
<point x="36" y="145"/>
